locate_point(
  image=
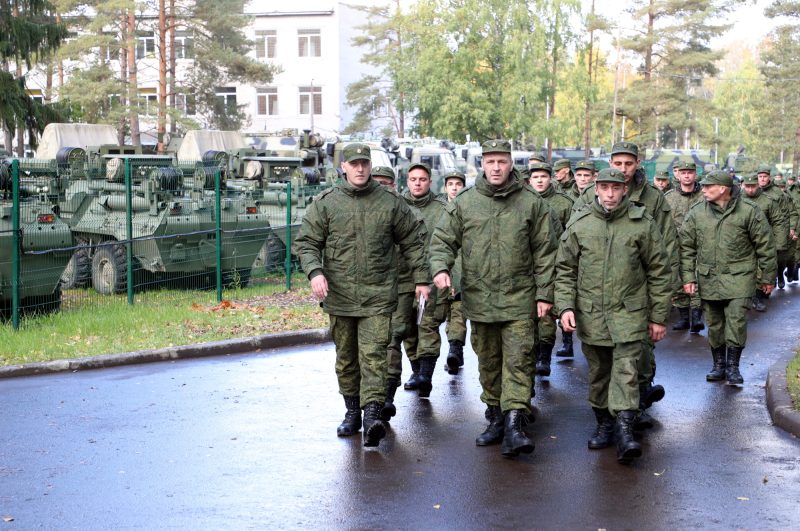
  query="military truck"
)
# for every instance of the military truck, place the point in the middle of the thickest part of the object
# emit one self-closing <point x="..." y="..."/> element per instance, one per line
<point x="45" y="242"/>
<point x="439" y="159"/>
<point x="308" y="146"/>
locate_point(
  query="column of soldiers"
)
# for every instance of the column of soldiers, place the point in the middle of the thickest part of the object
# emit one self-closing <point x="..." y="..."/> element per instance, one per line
<point x="603" y="253"/>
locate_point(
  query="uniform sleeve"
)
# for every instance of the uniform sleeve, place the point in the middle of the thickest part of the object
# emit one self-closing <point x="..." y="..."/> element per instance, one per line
<point x="410" y="234"/>
<point x="445" y="242"/>
<point x="763" y="246"/>
<point x="666" y="226"/>
<point x="792" y="209"/>
<point x="544" y="244"/>
<point x="780" y="224"/>
<point x="566" y="270"/>
<point x="310" y="242"/>
<point x="688" y="241"/>
<point x="659" y="276"/>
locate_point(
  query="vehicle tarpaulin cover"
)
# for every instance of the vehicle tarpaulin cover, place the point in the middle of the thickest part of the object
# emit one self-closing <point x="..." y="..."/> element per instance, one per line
<point x="197" y="142"/>
<point x="57" y="136"/>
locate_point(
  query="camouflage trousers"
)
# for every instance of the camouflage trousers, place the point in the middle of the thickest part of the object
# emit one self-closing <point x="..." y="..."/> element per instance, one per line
<point x="456" y="328"/>
<point x="505" y="365"/>
<point x="647" y="362"/>
<point x="682" y="300"/>
<point x="727" y="322"/>
<point x="361" y="355"/>
<point x="546" y="329"/>
<point x="404" y="333"/>
<point x="429" y="340"/>
<point x="613" y="376"/>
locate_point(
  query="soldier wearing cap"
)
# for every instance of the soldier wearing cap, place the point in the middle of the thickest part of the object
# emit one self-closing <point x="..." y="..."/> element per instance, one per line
<point x="613" y="286"/>
<point x="535" y="159"/>
<point x="584" y="176"/>
<point x="765" y="181"/>
<point x="562" y="172"/>
<point x="345" y="246"/>
<point x="793" y="190"/>
<point x="539" y="179"/>
<point x="384" y="175"/>
<point x="507" y="243"/>
<point x="625" y="158"/>
<point x="794" y="214"/>
<point x="662" y="181"/>
<point x="726" y="247"/>
<point x="456" y="328"/>
<point x="680" y="200"/>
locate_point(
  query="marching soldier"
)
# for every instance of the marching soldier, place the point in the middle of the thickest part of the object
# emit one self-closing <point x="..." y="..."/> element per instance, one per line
<point x="345" y="246"/>
<point x="613" y="286"/>
<point x="794" y="214"/>
<point x="765" y="181"/>
<point x="726" y="247"/>
<point x="456" y="328"/>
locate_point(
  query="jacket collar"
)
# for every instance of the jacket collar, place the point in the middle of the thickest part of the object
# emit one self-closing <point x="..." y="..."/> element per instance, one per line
<point x="419" y="202"/>
<point x="352" y="191"/>
<point x="609" y="215"/>
<point x="513" y="184"/>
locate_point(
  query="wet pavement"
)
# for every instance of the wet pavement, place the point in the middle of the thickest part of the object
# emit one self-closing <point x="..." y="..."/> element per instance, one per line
<point x="248" y="441"/>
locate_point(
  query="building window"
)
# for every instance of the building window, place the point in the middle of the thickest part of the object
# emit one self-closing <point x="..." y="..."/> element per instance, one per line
<point x="186" y="103"/>
<point x="149" y="101"/>
<point x="310" y="100"/>
<point x="184" y="45"/>
<point x="227" y="98"/>
<point x="145" y="46"/>
<point x="267" y="101"/>
<point x="309" y="43"/>
<point x="266" y="43"/>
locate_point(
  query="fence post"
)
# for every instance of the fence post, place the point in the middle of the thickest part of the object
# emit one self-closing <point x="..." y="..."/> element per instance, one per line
<point x="129" y="227"/>
<point x="218" y="230"/>
<point x="288" y="258"/>
<point x="16" y="244"/>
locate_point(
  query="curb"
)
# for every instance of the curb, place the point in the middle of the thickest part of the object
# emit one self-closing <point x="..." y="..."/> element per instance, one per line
<point x="779" y="403"/>
<point x="214" y="348"/>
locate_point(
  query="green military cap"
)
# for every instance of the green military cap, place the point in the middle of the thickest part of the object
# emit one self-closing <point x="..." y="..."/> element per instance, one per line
<point x="560" y="164"/>
<point x="540" y="166"/>
<point x="717" y="177"/>
<point x="625" y="148"/>
<point x="496" y="146"/>
<point x="764" y="168"/>
<point x="585" y="165"/>
<point x="420" y="165"/>
<point x="455" y="174"/>
<point x="610" y="175"/>
<point x="537" y="157"/>
<point x="750" y="179"/>
<point x="384" y="171"/>
<point x="663" y="174"/>
<point x="779" y="181"/>
<point x="356" y="151"/>
<point x="684" y="165"/>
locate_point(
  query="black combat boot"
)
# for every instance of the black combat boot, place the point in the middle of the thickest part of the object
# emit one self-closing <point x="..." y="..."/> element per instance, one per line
<point x="389" y="410"/>
<point x="781" y="281"/>
<point x="566" y="345"/>
<point x="717" y="372"/>
<point x="793" y="272"/>
<point x="697" y="320"/>
<point x="352" y="419"/>
<point x="683" y="320"/>
<point x="425" y="379"/>
<point x="544" y="354"/>
<point x="649" y="394"/>
<point x="374" y="428"/>
<point x="515" y="441"/>
<point x="603" y="435"/>
<point x="758" y="301"/>
<point x="413" y="383"/>
<point x="732" y="373"/>
<point x="493" y="433"/>
<point x="627" y="447"/>
<point x="455" y="356"/>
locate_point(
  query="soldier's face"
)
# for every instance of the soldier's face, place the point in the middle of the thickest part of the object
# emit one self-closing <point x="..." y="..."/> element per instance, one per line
<point x="750" y="189"/>
<point x="661" y="184"/>
<point x="539" y="180"/>
<point x="625" y="163"/>
<point x="562" y="175"/>
<point x="687" y="177"/>
<point x="384" y="181"/>
<point x="713" y="193"/>
<point x="419" y="182"/>
<point x="453" y="186"/>
<point x="497" y="167"/>
<point x="610" y="194"/>
<point x="763" y="179"/>
<point x="584" y="178"/>
<point x="357" y="172"/>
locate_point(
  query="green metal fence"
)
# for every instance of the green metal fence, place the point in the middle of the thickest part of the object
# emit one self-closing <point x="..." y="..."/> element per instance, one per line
<point x="128" y="228"/>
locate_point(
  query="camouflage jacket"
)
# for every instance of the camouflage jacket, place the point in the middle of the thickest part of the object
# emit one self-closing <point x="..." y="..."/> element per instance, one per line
<point x="507" y="245"/>
<point x="727" y="251"/>
<point x="348" y="234"/>
<point x="776" y="217"/>
<point x="612" y="271"/>
<point x="431" y="209"/>
<point x="787" y="205"/>
<point x="680" y="202"/>
<point x="560" y="203"/>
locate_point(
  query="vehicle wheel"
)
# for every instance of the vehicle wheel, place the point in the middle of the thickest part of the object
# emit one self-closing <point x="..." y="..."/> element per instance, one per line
<point x="78" y="273"/>
<point x="236" y="278"/>
<point x="109" y="269"/>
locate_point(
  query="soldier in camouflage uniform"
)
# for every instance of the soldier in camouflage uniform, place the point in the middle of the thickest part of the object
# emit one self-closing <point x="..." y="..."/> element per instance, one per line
<point x="765" y="181"/>
<point x="662" y="181"/>
<point x="726" y="247"/>
<point x="791" y="250"/>
<point x="535" y="159"/>
<point x="793" y="189"/>
<point x="504" y="232"/>
<point x="456" y="328"/>
<point x="562" y="173"/>
<point x="680" y="199"/>
<point x="613" y="286"/>
<point x="346" y="247"/>
<point x="540" y="180"/>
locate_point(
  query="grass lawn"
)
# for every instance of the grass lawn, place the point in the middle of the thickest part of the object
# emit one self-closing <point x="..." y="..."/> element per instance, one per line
<point x="158" y="319"/>
<point x="793" y="379"/>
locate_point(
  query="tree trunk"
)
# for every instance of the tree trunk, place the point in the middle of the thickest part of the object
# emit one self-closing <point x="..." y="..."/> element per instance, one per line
<point x="401" y="110"/>
<point x="172" y="68"/>
<point x="161" y="128"/>
<point x="553" y="78"/>
<point x="133" y="88"/>
<point x="796" y="158"/>
<point x="123" y="76"/>
<point x="587" y="126"/>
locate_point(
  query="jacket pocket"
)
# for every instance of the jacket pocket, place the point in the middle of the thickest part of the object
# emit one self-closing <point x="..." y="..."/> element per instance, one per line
<point x="703" y="269"/>
<point x="635" y="304"/>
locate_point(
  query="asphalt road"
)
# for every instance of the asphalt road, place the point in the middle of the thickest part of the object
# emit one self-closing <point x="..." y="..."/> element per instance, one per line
<point x="248" y="441"/>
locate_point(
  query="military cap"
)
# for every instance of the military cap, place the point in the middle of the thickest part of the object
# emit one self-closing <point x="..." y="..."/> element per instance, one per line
<point x="455" y="174"/>
<point x="420" y="165"/>
<point x="610" y="175"/>
<point x="717" y="177"/>
<point x="540" y="166"/>
<point x="496" y="146"/>
<point x="764" y="168"/>
<point x="779" y="181"/>
<point x="560" y="164"/>
<point x="625" y="148"/>
<point x="750" y="179"/>
<point x="663" y="174"/>
<point x="356" y="151"/>
<point x="684" y="165"/>
<point x="383" y="171"/>
<point x="585" y="165"/>
<point x="776" y="172"/>
<point x="537" y="157"/>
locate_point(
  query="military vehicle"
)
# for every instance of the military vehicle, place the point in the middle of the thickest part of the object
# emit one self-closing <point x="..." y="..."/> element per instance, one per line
<point x="45" y="242"/>
<point x="173" y="221"/>
<point x="439" y="159"/>
<point x="378" y="154"/>
<point x="664" y="159"/>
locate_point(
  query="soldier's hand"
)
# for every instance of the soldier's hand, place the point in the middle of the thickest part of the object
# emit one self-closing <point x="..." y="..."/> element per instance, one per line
<point x="793" y="234"/>
<point x="442" y="280"/>
<point x="319" y="286"/>
<point x="422" y="290"/>
<point x="567" y="321"/>
<point x="657" y="331"/>
<point x="543" y="308"/>
<point x="767" y="288"/>
<point x="690" y="288"/>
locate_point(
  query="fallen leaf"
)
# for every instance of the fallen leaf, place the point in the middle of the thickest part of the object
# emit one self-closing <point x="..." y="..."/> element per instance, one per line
<point x="437" y="506"/>
<point x="764" y="481"/>
<point x="8" y="518"/>
<point x="659" y="473"/>
<point x="553" y="437"/>
<point x="742" y="498"/>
